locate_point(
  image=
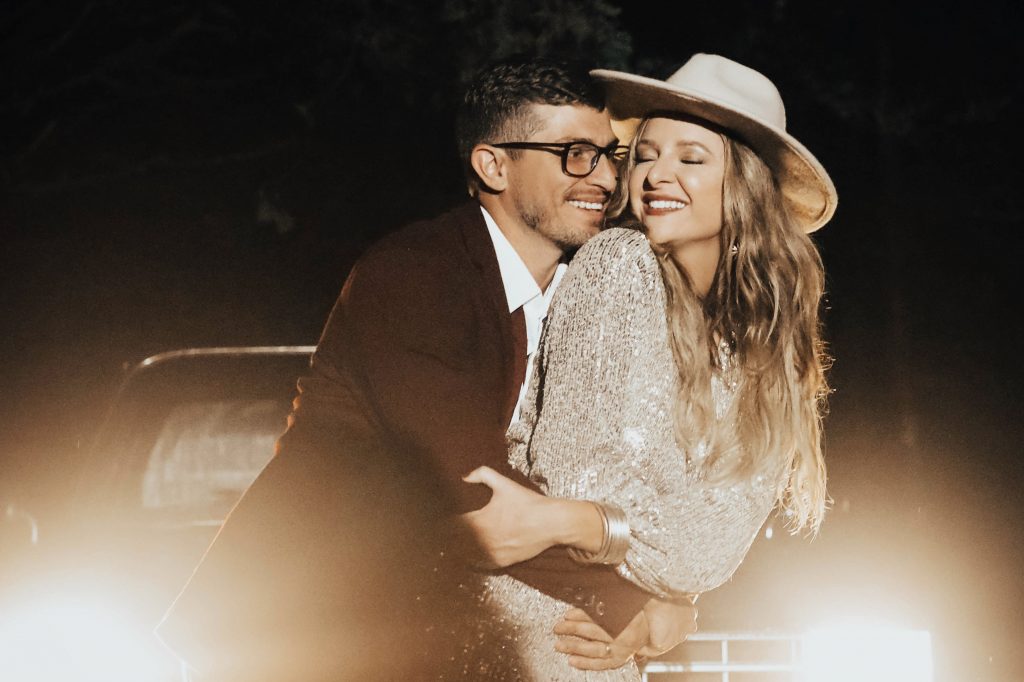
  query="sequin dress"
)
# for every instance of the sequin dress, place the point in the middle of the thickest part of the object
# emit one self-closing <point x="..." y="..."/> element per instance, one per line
<point x="597" y="424"/>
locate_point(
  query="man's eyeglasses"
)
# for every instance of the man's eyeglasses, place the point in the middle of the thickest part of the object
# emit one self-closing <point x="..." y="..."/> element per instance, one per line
<point x="579" y="159"/>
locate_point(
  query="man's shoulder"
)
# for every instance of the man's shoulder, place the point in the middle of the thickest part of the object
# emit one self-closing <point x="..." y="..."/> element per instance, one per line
<point x="429" y="241"/>
<point x="427" y="259"/>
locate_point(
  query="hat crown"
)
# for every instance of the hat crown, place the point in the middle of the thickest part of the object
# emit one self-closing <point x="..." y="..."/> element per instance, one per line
<point x="732" y="84"/>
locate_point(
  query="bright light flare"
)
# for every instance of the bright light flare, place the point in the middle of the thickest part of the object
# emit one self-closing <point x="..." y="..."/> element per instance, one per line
<point x="67" y="640"/>
<point x="856" y="654"/>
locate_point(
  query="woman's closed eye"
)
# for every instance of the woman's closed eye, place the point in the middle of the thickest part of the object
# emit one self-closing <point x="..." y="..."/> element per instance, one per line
<point x="689" y="160"/>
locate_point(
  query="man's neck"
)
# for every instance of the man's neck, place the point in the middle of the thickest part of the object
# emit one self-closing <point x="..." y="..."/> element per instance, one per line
<point x="540" y="255"/>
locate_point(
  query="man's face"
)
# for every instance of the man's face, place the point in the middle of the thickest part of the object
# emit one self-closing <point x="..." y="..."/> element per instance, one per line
<point x="566" y="210"/>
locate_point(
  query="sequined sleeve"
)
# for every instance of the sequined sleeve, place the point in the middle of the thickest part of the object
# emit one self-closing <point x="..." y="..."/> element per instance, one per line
<point x="597" y="423"/>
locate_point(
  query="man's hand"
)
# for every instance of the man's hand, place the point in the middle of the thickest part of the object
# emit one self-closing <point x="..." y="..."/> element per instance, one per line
<point x="659" y="627"/>
<point x="515" y="525"/>
<point x="589" y="647"/>
<point x="669" y="623"/>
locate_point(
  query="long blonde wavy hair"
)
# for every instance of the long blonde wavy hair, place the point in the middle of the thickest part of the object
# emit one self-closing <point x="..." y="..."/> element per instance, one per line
<point x="764" y="302"/>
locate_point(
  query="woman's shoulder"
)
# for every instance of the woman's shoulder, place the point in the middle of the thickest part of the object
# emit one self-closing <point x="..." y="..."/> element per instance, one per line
<point x="616" y="245"/>
<point x="614" y="263"/>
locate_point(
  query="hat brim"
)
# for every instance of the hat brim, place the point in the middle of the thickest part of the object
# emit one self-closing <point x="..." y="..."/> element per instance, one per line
<point x="806" y="186"/>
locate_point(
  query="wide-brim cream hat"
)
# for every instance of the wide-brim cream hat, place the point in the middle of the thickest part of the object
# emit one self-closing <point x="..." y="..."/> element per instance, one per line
<point x="740" y="100"/>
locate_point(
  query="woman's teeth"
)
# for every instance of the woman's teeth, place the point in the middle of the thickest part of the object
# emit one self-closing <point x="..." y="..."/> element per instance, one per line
<point x="662" y="204"/>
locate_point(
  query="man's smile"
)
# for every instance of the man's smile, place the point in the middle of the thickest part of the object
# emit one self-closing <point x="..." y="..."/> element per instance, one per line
<point x="587" y="205"/>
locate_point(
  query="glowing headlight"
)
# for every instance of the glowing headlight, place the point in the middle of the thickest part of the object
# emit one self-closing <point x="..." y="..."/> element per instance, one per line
<point x="857" y="654"/>
<point x="67" y="640"/>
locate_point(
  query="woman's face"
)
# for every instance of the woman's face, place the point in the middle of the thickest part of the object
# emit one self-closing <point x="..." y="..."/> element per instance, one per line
<point x="675" y="189"/>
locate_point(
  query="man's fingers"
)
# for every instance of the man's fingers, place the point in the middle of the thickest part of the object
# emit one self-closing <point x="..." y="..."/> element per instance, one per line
<point x="583" y="647"/>
<point x="577" y="614"/>
<point x="588" y="646"/>
<point x="584" y="630"/>
<point x="485" y="475"/>
<point x="584" y="663"/>
<point x="591" y="655"/>
<point x="647" y="652"/>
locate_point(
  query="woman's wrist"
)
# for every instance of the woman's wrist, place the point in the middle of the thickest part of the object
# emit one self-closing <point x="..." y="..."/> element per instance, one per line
<point x="576" y="523"/>
<point x="615" y="537"/>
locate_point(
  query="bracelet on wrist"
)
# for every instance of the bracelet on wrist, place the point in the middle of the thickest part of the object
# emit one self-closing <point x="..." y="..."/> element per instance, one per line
<point x="614" y="540"/>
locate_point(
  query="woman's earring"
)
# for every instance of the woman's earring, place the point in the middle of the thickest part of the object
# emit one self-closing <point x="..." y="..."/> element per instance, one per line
<point x="734" y="249"/>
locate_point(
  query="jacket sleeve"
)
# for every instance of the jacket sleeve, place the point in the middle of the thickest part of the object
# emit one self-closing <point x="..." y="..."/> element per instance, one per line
<point x="392" y="366"/>
<point x="424" y="398"/>
<point x="603" y="414"/>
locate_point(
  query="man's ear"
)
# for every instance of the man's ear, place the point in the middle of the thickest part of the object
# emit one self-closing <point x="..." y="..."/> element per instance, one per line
<point x="491" y="166"/>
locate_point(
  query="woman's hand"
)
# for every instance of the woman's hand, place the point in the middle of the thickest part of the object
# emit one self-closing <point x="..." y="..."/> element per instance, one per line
<point x="589" y="647"/>
<point x="515" y="525"/>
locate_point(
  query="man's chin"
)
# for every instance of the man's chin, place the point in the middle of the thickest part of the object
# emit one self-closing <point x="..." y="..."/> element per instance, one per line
<point x="592" y="227"/>
<point x="573" y="229"/>
<point x="578" y="235"/>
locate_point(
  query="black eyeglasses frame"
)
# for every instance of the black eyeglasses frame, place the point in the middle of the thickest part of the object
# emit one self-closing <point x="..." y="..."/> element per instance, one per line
<point x="614" y="151"/>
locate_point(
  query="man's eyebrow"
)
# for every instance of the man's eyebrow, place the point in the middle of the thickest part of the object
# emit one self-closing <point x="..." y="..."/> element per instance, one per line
<point x="570" y="138"/>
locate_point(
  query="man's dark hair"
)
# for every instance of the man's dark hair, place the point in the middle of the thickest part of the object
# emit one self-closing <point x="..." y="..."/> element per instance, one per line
<point x="496" y="106"/>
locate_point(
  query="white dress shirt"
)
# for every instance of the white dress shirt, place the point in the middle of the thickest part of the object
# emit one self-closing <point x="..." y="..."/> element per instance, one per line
<point x="521" y="291"/>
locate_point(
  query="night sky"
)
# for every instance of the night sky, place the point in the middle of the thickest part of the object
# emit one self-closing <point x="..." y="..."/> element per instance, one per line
<point x="191" y="173"/>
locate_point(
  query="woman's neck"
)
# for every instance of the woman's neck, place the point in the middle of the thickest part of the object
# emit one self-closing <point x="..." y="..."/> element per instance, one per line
<point x="700" y="262"/>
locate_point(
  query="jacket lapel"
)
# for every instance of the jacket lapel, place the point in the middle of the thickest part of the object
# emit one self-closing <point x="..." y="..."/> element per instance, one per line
<point x="517" y="322"/>
<point x="511" y="327"/>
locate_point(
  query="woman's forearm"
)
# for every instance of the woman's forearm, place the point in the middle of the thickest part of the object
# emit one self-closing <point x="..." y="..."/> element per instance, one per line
<point x="519" y="523"/>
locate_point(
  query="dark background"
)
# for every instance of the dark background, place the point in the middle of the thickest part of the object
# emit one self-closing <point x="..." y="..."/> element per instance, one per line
<point x="187" y="173"/>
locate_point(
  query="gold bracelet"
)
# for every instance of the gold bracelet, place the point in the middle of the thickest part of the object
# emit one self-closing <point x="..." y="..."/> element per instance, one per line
<point x="618" y="535"/>
<point x="614" y="540"/>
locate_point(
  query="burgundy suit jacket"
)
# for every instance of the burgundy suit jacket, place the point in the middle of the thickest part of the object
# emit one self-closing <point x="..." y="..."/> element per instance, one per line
<point x="419" y="365"/>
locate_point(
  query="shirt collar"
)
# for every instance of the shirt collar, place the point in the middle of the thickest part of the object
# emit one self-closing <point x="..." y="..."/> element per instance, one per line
<point x="520" y="286"/>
